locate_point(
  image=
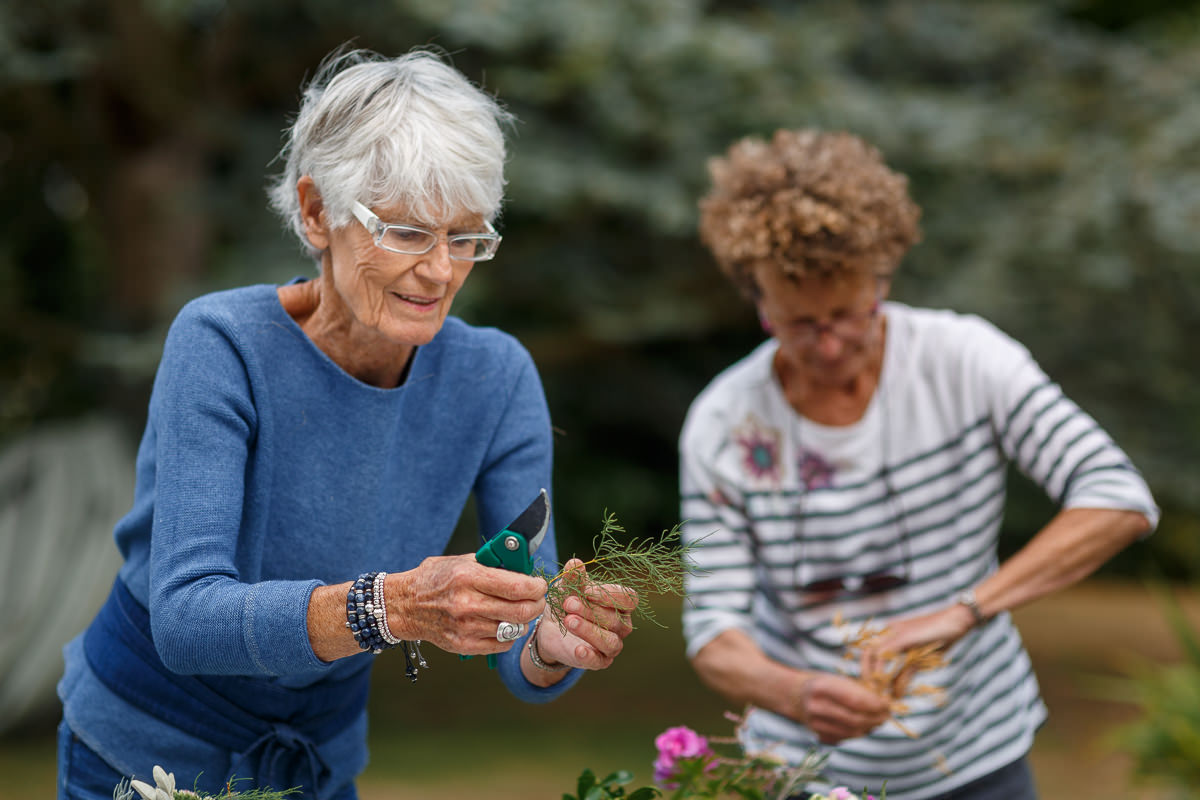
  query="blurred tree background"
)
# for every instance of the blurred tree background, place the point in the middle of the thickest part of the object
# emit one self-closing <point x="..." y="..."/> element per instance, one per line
<point x="1054" y="147"/>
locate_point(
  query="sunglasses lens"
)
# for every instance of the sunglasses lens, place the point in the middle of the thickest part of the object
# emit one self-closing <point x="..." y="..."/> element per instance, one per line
<point x="825" y="585"/>
<point x="868" y="584"/>
<point x="882" y="582"/>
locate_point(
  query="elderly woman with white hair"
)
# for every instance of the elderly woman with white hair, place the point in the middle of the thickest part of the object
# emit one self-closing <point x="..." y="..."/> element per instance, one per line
<point x="312" y="444"/>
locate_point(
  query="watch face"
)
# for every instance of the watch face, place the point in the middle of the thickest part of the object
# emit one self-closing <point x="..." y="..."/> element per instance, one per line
<point x="967" y="599"/>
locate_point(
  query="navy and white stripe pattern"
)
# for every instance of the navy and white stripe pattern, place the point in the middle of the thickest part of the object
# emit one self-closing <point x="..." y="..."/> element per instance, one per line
<point x="914" y="489"/>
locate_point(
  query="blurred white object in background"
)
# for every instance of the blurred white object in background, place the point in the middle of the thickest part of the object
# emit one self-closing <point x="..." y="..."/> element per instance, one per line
<point x="62" y="487"/>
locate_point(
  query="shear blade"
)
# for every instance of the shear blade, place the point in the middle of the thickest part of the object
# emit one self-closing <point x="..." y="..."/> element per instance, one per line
<point x="534" y="521"/>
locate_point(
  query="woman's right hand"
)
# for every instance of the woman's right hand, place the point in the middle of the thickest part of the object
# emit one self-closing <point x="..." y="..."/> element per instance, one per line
<point x="832" y="706"/>
<point x="836" y="708"/>
<point x="456" y="603"/>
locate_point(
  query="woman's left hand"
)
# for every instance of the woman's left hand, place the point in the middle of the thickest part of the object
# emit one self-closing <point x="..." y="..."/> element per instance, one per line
<point x="591" y="633"/>
<point x="941" y="628"/>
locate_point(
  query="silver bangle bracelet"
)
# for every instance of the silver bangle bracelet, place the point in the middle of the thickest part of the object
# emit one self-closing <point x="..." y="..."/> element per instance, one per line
<point x="536" y="657"/>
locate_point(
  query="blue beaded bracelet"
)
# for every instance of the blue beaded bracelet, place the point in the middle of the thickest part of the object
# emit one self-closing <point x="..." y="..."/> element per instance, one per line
<point x="362" y="617"/>
<point x="366" y="617"/>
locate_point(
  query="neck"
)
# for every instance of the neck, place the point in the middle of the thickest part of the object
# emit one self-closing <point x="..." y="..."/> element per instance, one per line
<point x="840" y="402"/>
<point x="359" y="350"/>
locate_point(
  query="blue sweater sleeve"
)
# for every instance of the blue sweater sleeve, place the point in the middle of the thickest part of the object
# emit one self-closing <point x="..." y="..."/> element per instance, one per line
<point x="204" y="618"/>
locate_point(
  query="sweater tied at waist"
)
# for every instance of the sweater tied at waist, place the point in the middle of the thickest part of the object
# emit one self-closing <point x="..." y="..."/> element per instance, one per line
<point x="272" y="731"/>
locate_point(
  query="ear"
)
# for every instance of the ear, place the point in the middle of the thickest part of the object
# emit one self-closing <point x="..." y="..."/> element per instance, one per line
<point x="312" y="213"/>
<point x="764" y="322"/>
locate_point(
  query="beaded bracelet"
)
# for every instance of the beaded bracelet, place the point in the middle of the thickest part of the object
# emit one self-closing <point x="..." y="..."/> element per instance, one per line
<point x="361" y="609"/>
<point x="366" y="617"/>
<point x="381" y="612"/>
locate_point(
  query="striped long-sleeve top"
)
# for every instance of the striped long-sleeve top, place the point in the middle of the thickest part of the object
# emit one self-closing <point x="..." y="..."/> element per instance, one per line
<point x="782" y="507"/>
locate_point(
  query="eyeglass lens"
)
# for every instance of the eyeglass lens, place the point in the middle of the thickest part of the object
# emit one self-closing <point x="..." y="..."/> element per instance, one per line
<point x="847" y="326"/>
<point x="416" y="241"/>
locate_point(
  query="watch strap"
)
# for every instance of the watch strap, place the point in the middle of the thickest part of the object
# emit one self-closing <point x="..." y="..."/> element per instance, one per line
<point x="967" y="599"/>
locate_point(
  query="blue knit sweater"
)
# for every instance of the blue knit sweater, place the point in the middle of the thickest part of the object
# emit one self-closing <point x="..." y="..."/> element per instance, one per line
<point x="265" y="471"/>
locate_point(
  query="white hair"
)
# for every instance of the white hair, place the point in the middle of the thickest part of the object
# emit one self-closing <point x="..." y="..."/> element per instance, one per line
<point x="410" y="130"/>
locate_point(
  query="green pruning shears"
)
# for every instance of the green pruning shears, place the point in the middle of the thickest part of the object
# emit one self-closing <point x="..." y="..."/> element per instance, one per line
<point x="513" y="547"/>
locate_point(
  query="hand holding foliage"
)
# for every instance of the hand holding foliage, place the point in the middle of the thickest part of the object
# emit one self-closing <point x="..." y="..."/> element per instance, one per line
<point x="640" y="567"/>
<point x="891" y="674"/>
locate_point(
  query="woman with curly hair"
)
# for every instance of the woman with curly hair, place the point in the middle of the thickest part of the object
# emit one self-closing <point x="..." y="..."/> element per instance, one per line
<point x="851" y="471"/>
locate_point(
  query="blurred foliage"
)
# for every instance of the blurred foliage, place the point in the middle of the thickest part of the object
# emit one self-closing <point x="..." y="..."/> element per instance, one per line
<point x="1054" y="147"/>
<point x="1165" y="742"/>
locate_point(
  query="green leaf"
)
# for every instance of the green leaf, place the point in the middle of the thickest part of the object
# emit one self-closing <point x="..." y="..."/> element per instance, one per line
<point x="621" y="776"/>
<point x="587" y="779"/>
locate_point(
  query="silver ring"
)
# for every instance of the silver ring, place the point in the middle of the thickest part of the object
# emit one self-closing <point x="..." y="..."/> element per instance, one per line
<point x="510" y="631"/>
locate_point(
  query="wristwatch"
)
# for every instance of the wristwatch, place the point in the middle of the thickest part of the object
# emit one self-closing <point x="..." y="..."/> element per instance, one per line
<point x="967" y="599"/>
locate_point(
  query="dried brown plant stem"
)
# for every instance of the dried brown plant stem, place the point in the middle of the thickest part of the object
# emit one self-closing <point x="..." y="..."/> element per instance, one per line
<point x="894" y="671"/>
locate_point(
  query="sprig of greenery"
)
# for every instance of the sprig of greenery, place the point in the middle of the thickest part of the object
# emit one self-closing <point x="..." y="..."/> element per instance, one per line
<point x="126" y="790"/>
<point x="588" y="787"/>
<point x="641" y="567"/>
<point x="1164" y="741"/>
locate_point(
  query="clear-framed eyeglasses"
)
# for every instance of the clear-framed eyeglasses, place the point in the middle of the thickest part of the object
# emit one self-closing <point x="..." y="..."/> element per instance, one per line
<point x="415" y="241"/>
<point x="849" y="326"/>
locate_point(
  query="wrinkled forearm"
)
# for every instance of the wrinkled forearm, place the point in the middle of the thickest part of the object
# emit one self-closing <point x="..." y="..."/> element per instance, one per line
<point x="1073" y="545"/>
<point x="734" y="665"/>
<point x="327" y="631"/>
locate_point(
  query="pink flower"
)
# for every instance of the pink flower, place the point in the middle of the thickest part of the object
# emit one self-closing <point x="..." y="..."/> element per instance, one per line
<point x="674" y="744"/>
<point x="842" y="793"/>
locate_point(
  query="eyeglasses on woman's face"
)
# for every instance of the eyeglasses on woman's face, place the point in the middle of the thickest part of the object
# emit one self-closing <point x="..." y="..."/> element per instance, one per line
<point x="802" y="310"/>
<point x="848" y="326"/>
<point x="413" y="240"/>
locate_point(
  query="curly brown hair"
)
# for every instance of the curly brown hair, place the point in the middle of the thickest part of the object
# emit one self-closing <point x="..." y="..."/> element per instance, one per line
<point x="806" y="201"/>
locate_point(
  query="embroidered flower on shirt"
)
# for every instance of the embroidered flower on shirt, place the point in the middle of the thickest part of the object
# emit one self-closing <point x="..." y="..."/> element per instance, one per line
<point x="815" y="472"/>
<point x="760" y="449"/>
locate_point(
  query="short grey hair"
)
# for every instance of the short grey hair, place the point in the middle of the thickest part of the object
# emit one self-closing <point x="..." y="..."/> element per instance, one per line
<point x="410" y="130"/>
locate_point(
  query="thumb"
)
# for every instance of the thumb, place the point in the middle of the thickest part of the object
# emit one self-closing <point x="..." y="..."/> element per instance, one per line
<point x="574" y="570"/>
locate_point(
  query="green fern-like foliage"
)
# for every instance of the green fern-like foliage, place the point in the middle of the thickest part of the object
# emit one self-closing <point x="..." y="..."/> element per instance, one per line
<point x="125" y="791"/>
<point x="642" y="567"/>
